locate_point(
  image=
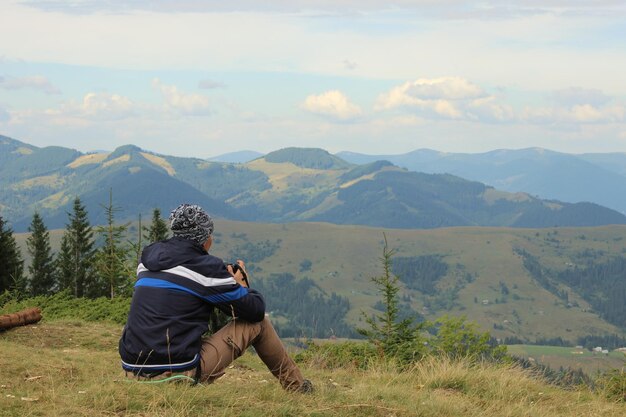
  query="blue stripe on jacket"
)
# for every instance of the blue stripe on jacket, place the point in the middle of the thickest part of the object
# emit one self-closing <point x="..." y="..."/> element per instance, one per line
<point x="216" y="298"/>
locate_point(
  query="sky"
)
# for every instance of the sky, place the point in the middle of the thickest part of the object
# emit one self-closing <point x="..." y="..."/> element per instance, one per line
<point x="203" y="78"/>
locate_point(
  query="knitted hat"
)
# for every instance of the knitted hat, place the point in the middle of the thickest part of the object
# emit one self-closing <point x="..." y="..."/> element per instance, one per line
<point x="189" y="221"/>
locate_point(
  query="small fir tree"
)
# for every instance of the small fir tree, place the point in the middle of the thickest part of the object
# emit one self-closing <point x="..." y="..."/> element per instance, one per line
<point x="111" y="260"/>
<point x="158" y="229"/>
<point x="11" y="263"/>
<point x="75" y="260"/>
<point x="138" y="246"/>
<point x="395" y="338"/>
<point x="63" y="264"/>
<point x="41" y="269"/>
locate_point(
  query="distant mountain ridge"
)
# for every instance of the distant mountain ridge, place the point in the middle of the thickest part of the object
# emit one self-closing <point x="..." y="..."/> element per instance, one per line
<point x="240" y="157"/>
<point x="307" y="158"/>
<point x="291" y="184"/>
<point x="597" y="178"/>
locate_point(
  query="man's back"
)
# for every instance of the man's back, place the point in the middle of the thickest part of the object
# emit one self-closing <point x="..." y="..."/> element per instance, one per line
<point x="178" y="284"/>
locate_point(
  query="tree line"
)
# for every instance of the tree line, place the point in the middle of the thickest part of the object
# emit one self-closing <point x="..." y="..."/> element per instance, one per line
<point x="305" y="310"/>
<point x="91" y="262"/>
<point x="601" y="283"/>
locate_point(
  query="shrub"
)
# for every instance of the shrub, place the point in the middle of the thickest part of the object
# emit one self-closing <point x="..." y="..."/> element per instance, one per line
<point x="338" y="355"/>
<point x="458" y="338"/>
<point x="64" y="306"/>
<point x="613" y="385"/>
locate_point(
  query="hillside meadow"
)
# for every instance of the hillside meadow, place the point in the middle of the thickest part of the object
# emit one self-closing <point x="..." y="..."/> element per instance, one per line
<point x="71" y="368"/>
<point x="343" y="259"/>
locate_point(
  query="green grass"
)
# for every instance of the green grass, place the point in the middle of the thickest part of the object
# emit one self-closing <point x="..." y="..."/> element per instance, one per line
<point x="71" y="368"/>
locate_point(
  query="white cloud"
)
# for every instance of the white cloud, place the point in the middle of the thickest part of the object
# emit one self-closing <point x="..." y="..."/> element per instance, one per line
<point x="586" y="113"/>
<point x="431" y="96"/>
<point x="447" y="98"/>
<point x="107" y="105"/>
<point x="398" y="97"/>
<point x="333" y="104"/>
<point x="610" y="114"/>
<point x="36" y="82"/>
<point x="539" y="115"/>
<point x="488" y="109"/>
<point x="191" y="104"/>
<point x="578" y="95"/>
<point x="447" y="88"/>
<point x="535" y="51"/>
<point x="441" y="8"/>
<point x="577" y="114"/>
<point x="94" y="107"/>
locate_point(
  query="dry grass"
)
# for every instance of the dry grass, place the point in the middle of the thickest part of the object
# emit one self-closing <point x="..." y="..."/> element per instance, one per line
<point x="93" y="158"/>
<point x="72" y="369"/>
<point x="50" y="181"/>
<point x="161" y="162"/>
<point x="123" y="158"/>
<point x="55" y="200"/>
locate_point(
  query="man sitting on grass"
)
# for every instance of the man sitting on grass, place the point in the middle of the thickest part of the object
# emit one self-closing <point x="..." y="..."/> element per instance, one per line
<point x="178" y="285"/>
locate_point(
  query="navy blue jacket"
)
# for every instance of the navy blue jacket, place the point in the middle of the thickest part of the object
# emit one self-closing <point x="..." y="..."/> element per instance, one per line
<point x="178" y="285"/>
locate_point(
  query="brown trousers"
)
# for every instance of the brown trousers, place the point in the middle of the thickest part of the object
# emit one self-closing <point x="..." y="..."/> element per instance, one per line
<point x="229" y="343"/>
<point x="232" y="340"/>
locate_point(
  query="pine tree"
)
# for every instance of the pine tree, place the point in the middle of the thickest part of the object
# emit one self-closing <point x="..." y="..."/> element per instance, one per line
<point x="11" y="263"/>
<point x="111" y="262"/>
<point x="75" y="261"/>
<point x="64" y="264"/>
<point x="399" y="339"/>
<point x="158" y="229"/>
<point x="138" y="246"/>
<point x="41" y="269"/>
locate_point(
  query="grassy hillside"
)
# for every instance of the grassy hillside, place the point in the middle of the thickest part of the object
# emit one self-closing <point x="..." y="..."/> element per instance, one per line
<point x="485" y="278"/>
<point x="72" y="369"/>
<point x="344" y="258"/>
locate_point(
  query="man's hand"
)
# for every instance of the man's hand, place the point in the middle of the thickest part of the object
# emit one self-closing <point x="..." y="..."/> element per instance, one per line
<point x="241" y="274"/>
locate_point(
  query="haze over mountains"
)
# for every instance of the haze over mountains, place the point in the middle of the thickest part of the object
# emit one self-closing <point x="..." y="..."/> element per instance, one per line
<point x="296" y="184"/>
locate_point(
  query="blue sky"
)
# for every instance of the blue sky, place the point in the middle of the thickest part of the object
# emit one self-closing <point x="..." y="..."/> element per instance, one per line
<point x="202" y="78"/>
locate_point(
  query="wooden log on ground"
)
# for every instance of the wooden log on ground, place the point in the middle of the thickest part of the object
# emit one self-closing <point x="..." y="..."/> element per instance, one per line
<point x="21" y="318"/>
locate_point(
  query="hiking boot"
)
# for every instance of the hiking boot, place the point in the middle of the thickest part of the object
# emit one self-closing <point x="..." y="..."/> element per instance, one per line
<point x="306" y="387"/>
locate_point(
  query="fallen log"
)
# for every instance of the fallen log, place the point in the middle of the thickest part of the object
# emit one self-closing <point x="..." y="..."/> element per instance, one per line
<point x="21" y="318"/>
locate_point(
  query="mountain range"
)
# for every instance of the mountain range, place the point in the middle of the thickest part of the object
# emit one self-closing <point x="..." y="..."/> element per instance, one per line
<point x="593" y="177"/>
<point x="291" y="184"/>
<point x="598" y="178"/>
